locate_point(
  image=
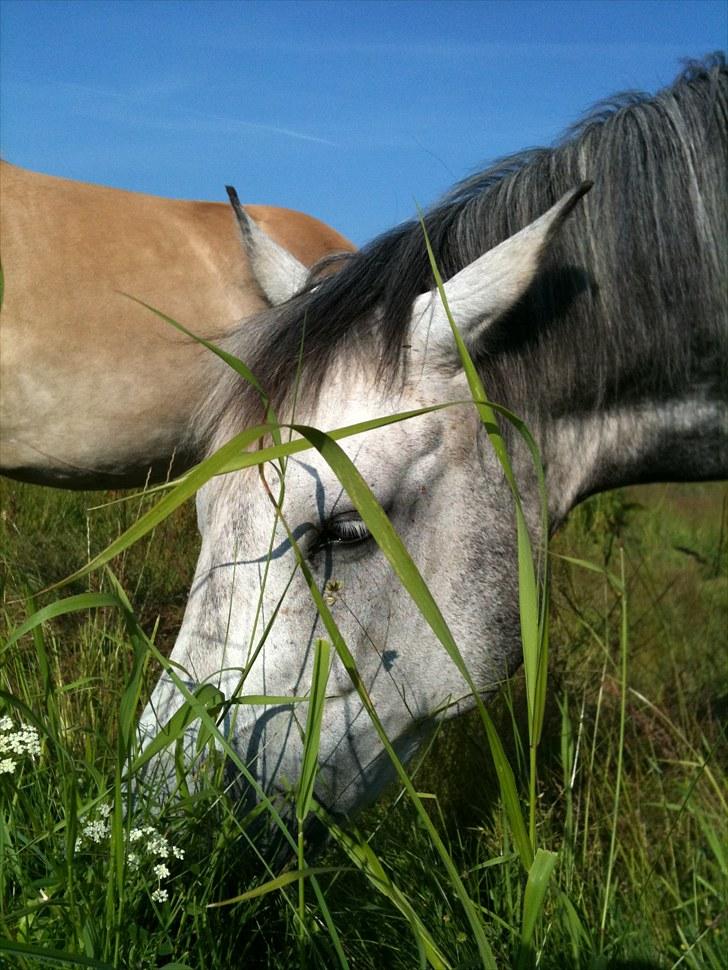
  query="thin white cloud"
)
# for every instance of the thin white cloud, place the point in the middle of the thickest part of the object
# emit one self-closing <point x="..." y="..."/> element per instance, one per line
<point x="233" y="124"/>
<point x="135" y="107"/>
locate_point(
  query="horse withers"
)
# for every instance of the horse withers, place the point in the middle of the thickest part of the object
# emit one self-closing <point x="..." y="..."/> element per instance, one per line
<point x="600" y="319"/>
<point x="95" y="390"/>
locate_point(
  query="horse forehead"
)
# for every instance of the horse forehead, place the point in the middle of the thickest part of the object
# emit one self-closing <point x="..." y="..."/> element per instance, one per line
<point x="355" y="391"/>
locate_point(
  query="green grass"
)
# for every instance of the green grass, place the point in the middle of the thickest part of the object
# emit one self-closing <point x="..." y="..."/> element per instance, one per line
<point x="630" y="790"/>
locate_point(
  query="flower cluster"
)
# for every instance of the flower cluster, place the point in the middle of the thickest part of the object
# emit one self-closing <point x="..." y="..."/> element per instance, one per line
<point x="153" y="845"/>
<point x="146" y="845"/>
<point x="16" y="743"/>
<point x="96" y="829"/>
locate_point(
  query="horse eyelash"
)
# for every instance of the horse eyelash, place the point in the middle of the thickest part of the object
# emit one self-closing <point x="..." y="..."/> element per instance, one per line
<point x="347" y="530"/>
<point x="343" y="532"/>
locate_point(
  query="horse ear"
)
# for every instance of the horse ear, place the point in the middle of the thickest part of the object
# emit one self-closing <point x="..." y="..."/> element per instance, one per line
<point x="483" y="291"/>
<point x="278" y="273"/>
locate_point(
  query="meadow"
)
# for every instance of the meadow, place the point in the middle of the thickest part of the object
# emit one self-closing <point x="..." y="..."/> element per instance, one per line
<point x="595" y="838"/>
<point x="630" y="811"/>
<point x="579" y="821"/>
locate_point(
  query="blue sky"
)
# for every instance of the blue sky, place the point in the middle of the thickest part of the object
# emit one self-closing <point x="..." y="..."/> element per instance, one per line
<point x="349" y="110"/>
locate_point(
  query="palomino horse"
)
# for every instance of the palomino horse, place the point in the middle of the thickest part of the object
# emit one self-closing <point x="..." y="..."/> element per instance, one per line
<point x="97" y="392"/>
<point x="606" y="331"/>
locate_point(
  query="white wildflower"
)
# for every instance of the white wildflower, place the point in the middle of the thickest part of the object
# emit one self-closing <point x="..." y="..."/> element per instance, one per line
<point x="150" y="845"/>
<point x="145" y="845"/>
<point x="95" y="829"/>
<point x="158" y="845"/>
<point x="16" y="743"/>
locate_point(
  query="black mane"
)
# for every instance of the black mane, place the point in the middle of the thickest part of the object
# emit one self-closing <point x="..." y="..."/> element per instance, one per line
<point x="641" y="264"/>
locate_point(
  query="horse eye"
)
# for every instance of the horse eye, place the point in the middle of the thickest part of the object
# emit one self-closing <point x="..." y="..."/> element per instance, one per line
<point x="346" y="528"/>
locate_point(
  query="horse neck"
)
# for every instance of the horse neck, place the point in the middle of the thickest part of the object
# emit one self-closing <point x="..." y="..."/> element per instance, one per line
<point x="621" y="366"/>
<point x="651" y="402"/>
<point x="641" y="399"/>
<point x="683" y="438"/>
<point x="618" y="355"/>
<point x="621" y="376"/>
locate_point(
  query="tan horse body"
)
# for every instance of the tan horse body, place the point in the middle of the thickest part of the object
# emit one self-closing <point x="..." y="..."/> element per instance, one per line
<point x="95" y="390"/>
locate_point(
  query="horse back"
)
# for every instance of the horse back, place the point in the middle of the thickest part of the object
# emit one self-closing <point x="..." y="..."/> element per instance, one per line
<point x="96" y="388"/>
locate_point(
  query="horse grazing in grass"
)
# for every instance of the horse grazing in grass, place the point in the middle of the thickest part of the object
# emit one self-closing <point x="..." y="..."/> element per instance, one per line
<point x="599" y="318"/>
<point x="97" y="392"/>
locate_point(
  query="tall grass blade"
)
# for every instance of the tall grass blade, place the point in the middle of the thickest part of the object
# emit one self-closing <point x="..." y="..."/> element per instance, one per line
<point x="312" y="735"/>
<point x="83" y="601"/>
<point x="272" y="885"/>
<point x="309" y="763"/>
<point x="579" y="936"/>
<point x="623" y="645"/>
<point x="330" y="925"/>
<point x="207" y="698"/>
<point x="365" y="859"/>
<point x="533" y="903"/>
